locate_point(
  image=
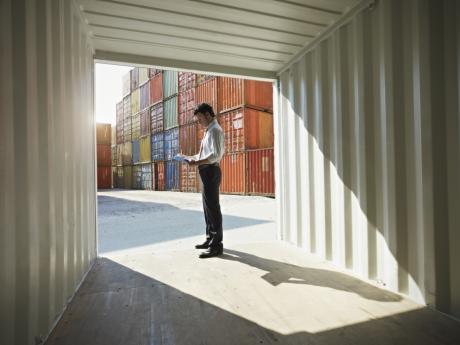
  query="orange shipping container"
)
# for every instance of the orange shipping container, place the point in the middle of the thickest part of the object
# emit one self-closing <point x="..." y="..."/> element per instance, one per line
<point x="188" y="139"/>
<point x="246" y="129"/>
<point x="104" y="155"/>
<point x="235" y="93"/>
<point x="156" y="88"/>
<point x="260" y="172"/>
<point x="103" y="133"/>
<point x="233" y="168"/>
<point x="104" y="177"/>
<point x="207" y="93"/>
<point x="158" y="176"/>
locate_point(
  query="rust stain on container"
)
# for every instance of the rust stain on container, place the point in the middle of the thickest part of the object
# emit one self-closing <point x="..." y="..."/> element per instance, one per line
<point x="233" y="167"/>
<point x="156" y="88"/>
<point x="235" y="92"/>
<point x="206" y="92"/>
<point x="247" y="128"/>
<point x="104" y="155"/>
<point x="104" y="177"/>
<point x="261" y="172"/>
<point x="103" y="133"/>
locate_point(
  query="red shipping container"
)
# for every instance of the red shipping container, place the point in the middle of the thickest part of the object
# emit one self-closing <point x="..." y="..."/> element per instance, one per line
<point x="207" y="93"/>
<point x="186" y="106"/>
<point x="104" y="177"/>
<point x="188" y="139"/>
<point x="189" y="179"/>
<point x="104" y="155"/>
<point x="235" y="93"/>
<point x="186" y="81"/>
<point x="158" y="176"/>
<point x="247" y="128"/>
<point x="145" y="122"/>
<point x="156" y="88"/>
<point x="260" y="172"/>
<point x="156" y="118"/>
<point x="233" y="168"/>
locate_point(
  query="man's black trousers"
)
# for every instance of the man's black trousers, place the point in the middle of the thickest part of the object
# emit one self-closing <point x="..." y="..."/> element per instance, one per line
<point x="210" y="181"/>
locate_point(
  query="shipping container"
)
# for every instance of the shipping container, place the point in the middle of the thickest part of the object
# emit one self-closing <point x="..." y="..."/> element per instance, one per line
<point x="135" y="101"/>
<point x="158" y="176"/>
<point x="171" y="143"/>
<point x="260" y="172"/>
<point x="120" y="182"/>
<point x="135" y="126"/>
<point x="119" y="112"/>
<point x="104" y="155"/>
<point x="144" y="92"/>
<point x="134" y="78"/>
<point x="247" y="128"/>
<point x="126" y="84"/>
<point x="206" y="92"/>
<point x="114" y="156"/>
<point x="103" y="133"/>
<point x="170" y="113"/>
<point x="104" y="177"/>
<point x="153" y="72"/>
<point x="137" y="177"/>
<point x="158" y="146"/>
<point x="136" y="151"/>
<point x="156" y="118"/>
<point x="172" y="176"/>
<point x="188" y="139"/>
<point x="113" y="139"/>
<point x="143" y="75"/>
<point x="146" y="180"/>
<point x="233" y="166"/>
<point x="127" y="153"/>
<point x="169" y="84"/>
<point x="145" y="122"/>
<point x="145" y="153"/>
<point x="189" y="178"/>
<point x="156" y="88"/>
<point x="127" y="129"/>
<point x="127" y="107"/>
<point x="235" y="93"/>
<point x="186" y="81"/>
<point x="186" y="106"/>
<point x="120" y="132"/>
<point x="128" y="177"/>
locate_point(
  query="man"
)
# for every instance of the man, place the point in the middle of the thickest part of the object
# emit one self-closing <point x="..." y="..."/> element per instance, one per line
<point x="207" y="160"/>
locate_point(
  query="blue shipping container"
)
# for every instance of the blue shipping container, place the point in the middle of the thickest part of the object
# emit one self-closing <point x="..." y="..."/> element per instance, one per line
<point x="136" y="151"/>
<point x="172" y="177"/>
<point x="158" y="147"/>
<point x="171" y="143"/>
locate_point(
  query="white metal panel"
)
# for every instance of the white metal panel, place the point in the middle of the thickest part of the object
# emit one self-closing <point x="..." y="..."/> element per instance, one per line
<point x="368" y="135"/>
<point x="47" y="176"/>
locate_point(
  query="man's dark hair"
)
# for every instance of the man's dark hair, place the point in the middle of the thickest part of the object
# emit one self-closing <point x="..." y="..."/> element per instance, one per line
<point x="204" y="108"/>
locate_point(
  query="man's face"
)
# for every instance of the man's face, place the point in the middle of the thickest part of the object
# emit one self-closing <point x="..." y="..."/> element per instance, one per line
<point x="202" y="118"/>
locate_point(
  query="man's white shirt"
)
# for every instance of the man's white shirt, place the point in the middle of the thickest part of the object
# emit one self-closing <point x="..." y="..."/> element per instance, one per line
<point x="212" y="144"/>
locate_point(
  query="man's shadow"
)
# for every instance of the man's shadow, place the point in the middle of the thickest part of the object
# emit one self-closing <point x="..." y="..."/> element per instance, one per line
<point x="280" y="272"/>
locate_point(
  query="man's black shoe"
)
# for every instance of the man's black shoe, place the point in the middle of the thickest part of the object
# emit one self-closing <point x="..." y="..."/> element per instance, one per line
<point x="204" y="245"/>
<point x="211" y="252"/>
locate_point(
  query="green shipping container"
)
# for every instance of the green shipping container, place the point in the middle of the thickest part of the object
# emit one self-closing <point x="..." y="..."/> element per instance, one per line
<point x="170" y="113"/>
<point x="128" y="177"/>
<point x="170" y="85"/>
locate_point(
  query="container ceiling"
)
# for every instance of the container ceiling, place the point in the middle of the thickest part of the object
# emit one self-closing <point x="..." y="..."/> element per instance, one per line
<point x="247" y="37"/>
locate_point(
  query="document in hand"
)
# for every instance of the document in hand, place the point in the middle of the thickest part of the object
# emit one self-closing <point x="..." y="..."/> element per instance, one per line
<point x="181" y="158"/>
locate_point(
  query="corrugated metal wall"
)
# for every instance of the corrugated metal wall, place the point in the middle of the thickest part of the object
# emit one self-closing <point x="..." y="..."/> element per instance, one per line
<point x="368" y="149"/>
<point x="47" y="171"/>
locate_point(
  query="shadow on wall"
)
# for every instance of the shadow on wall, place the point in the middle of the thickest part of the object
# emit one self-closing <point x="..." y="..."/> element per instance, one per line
<point x="367" y="137"/>
<point x="116" y="305"/>
<point x="125" y="223"/>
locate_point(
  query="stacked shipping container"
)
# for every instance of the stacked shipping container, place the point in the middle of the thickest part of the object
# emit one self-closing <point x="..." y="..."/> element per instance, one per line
<point x="104" y="155"/>
<point x="155" y="122"/>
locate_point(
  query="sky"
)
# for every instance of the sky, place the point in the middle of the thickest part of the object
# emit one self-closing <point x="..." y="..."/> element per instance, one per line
<point x="108" y="90"/>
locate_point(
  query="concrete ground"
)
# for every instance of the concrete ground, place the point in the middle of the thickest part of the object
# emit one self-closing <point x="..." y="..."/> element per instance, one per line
<point x="150" y="287"/>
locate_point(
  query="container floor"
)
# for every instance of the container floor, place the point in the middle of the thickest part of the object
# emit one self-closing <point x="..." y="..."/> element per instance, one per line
<point x="149" y="287"/>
